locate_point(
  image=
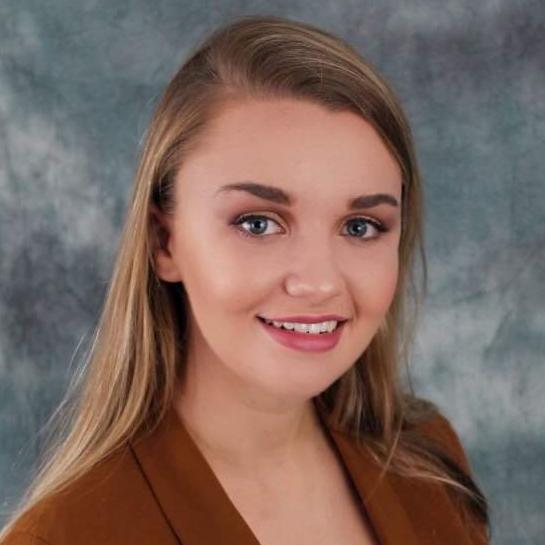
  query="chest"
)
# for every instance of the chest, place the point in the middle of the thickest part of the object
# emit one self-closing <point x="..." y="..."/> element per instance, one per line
<point x="312" y="509"/>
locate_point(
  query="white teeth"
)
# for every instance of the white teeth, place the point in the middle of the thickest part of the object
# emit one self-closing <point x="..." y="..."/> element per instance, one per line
<point x="313" y="329"/>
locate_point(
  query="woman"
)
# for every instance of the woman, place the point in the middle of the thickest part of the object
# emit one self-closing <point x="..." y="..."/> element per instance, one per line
<point x="243" y="384"/>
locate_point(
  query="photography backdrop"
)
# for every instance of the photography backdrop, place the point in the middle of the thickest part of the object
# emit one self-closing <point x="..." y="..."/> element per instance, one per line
<point x="78" y="81"/>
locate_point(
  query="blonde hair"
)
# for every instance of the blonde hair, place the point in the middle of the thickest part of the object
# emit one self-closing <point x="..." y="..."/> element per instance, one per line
<point x="137" y="352"/>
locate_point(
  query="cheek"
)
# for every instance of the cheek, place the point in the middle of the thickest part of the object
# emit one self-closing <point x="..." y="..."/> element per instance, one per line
<point x="376" y="285"/>
<point x="216" y="277"/>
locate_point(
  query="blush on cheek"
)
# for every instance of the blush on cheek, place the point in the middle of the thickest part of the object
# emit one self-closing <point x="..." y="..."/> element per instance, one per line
<point x="384" y="293"/>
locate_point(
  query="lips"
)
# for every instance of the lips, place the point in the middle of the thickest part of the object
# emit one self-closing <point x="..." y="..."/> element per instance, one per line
<point x="304" y="341"/>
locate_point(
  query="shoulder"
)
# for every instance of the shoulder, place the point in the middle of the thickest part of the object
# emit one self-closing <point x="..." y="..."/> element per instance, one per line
<point x="111" y="503"/>
<point x="440" y="436"/>
<point x="23" y="538"/>
<point x="426" y="420"/>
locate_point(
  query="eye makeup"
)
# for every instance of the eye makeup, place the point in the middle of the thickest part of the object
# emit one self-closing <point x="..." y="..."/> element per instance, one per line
<point x="377" y="225"/>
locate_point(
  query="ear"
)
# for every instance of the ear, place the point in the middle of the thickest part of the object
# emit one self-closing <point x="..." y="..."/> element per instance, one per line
<point x="164" y="265"/>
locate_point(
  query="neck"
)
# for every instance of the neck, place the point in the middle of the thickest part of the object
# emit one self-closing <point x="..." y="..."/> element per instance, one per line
<point x="235" y="430"/>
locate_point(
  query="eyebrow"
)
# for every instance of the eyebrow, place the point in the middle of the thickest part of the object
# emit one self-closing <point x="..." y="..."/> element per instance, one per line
<point x="277" y="195"/>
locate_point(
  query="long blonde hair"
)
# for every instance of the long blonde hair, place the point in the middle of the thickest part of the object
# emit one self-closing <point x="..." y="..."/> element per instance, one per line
<point x="137" y="351"/>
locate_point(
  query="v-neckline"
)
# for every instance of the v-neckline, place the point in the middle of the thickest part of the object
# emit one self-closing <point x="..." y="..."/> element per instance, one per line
<point x="200" y="512"/>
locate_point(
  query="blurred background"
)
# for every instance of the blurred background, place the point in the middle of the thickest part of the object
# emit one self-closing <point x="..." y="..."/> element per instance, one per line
<point x="78" y="81"/>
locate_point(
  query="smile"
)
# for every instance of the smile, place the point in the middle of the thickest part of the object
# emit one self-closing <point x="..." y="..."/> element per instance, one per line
<point x="305" y="337"/>
<point x="317" y="328"/>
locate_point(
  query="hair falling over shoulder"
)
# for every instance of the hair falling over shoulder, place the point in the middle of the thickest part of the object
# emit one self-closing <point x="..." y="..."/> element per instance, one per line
<point x="129" y="373"/>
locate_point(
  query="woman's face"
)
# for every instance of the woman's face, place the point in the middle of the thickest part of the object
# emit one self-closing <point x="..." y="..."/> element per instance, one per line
<point x="315" y="256"/>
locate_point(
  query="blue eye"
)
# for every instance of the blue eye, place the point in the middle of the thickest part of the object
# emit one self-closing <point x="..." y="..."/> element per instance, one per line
<point x="362" y="224"/>
<point x="253" y="219"/>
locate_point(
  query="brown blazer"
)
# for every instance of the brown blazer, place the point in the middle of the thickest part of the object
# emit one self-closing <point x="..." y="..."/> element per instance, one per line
<point x="159" y="490"/>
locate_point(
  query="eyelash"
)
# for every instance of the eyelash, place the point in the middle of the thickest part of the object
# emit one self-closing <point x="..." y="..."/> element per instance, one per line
<point x="380" y="227"/>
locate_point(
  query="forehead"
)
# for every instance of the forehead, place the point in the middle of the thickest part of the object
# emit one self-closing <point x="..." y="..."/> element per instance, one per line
<point x="297" y="145"/>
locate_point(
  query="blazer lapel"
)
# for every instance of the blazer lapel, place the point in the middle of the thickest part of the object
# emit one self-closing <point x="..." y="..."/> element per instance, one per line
<point x="195" y="504"/>
<point x="387" y="515"/>
<point x="402" y="511"/>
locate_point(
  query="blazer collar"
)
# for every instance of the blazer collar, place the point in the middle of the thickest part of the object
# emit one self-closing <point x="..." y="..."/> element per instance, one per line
<point x="199" y="511"/>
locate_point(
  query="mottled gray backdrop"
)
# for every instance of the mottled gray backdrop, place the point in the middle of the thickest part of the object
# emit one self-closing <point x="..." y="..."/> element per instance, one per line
<point x="77" y="84"/>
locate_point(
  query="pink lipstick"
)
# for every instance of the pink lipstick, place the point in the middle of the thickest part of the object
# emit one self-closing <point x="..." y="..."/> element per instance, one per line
<point x="308" y="342"/>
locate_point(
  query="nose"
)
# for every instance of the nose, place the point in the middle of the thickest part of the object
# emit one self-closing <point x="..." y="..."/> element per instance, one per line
<point x="313" y="273"/>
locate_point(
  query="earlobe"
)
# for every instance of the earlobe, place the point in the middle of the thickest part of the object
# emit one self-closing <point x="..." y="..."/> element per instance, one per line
<point x="164" y="264"/>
